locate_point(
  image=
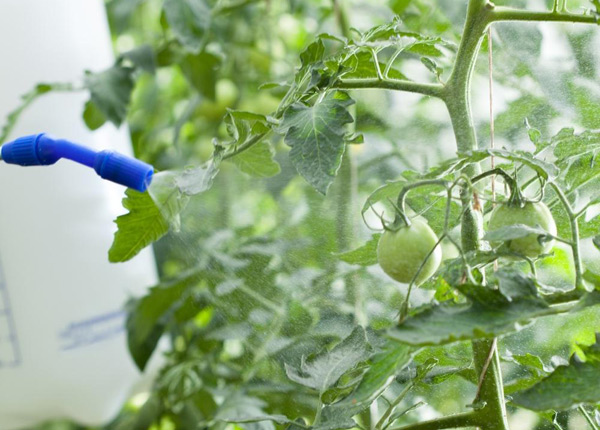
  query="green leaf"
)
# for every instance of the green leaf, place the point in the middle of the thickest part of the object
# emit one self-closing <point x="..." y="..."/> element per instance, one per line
<point x="568" y="386"/>
<point x="514" y="285"/>
<point x="432" y="66"/>
<point x="528" y="107"/>
<point x="257" y="161"/>
<point x="181" y="381"/>
<point x="384" y="366"/>
<point x="313" y="53"/>
<point x="150" y="315"/>
<point x="92" y="116"/>
<point x="244" y="126"/>
<point x="196" y="180"/>
<point x="430" y="202"/>
<point x="487" y="314"/>
<point x="532" y="362"/>
<point x="151" y="214"/>
<point x="323" y="370"/>
<point x="596" y="242"/>
<point x="382" y="32"/>
<point x="200" y="70"/>
<point x="110" y="91"/>
<point x="577" y="157"/>
<point x="427" y="201"/>
<point x="534" y="368"/>
<point x="361" y="65"/>
<point x="241" y="408"/>
<point x="316" y="135"/>
<point x="189" y="20"/>
<point x="144" y="418"/>
<point x="386" y="192"/>
<point x="143" y="57"/>
<point x="543" y="168"/>
<point x="589" y="228"/>
<point x="366" y="255"/>
<point x="137" y="229"/>
<point x="515" y="231"/>
<point x="584" y="94"/>
<point x="399" y="6"/>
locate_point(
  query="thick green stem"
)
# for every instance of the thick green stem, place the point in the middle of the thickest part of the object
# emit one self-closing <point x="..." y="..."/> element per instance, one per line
<point x="575" y="244"/>
<point x="457" y="94"/>
<point x="491" y="389"/>
<point x="468" y="419"/>
<point x="501" y="13"/>
<point x="458" y="100"/>
<point x="435" y="90"/>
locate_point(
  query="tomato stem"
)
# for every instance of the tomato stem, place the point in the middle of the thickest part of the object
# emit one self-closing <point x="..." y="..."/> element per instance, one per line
<point x="575" y="243"/>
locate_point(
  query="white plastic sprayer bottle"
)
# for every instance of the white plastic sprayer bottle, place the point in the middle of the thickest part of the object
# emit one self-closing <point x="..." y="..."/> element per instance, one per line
<point x="62" y="345"/>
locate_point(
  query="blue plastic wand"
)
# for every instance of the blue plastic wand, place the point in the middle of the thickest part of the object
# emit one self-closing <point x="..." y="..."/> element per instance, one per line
<point x="43" y="150"/>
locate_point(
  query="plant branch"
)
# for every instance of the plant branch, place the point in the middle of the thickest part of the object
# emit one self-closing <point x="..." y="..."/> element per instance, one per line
<point x="509" y="180"/>
<point x="588" y="418"/>
<point x="434" y="90"/>
<point x="490" y="389"/>
<point x="575" y="245"/>
<point x="424" y="183"/>
<point x="381" y="424"/>
<point x="467" y="419"/>
<point x="501" y="13"/>
<point x="458" y="91"/>
<point x="246" y="145"/>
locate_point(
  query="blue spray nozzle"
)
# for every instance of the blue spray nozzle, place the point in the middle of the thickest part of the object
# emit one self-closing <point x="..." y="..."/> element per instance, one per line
<point x="43" y="150"/>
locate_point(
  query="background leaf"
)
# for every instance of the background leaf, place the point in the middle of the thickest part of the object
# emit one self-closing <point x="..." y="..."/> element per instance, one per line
<point x="323" y="370"/>
<point x="568" y="386"/>
<point x="189" y="20"/>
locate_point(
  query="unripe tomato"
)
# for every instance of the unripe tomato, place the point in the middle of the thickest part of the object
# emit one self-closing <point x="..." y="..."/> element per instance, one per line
<point x="531" y="214"/>
<point x="400" y="253"/>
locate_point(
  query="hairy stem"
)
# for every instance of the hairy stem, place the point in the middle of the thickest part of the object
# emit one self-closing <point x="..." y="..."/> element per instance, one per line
<point x="434" y="90"/>
<point x="501" y="13"/>
<point x="575" y="245"/>
<point x="458" y="100"/>
<point x="457" y="93"/>
<point x="588" y="418"/>
<point x="468" y="419"/>
<point x="381" y="424"/>
<point x="491" y="390"/>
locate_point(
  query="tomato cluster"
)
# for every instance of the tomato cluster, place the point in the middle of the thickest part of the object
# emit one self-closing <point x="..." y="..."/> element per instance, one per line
<point x="412" y="253"/>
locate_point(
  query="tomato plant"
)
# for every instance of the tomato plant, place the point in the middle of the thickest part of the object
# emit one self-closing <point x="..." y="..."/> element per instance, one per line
<point x="300" y="117"/>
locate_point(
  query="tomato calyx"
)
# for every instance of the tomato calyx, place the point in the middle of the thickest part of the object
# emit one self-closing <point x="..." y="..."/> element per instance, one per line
<point x="516" y="198"/>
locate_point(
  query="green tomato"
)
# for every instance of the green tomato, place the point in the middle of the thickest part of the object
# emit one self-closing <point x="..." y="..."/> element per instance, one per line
<point x="532" y="215"/>
<point x="400" y="253"/>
